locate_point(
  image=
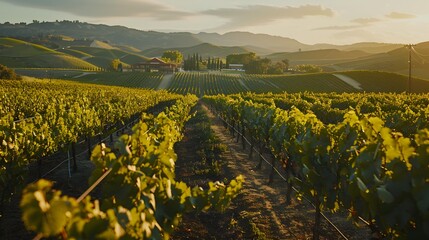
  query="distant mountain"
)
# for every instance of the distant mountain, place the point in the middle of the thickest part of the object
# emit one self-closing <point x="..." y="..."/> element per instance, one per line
<point x="117" y="35"/>
<point x="273" y="43"/>
<point x="205" y="50"/>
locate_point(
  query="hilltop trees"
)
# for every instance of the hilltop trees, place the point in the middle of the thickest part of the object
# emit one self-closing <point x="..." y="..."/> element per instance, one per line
<point x="8" y="73"/>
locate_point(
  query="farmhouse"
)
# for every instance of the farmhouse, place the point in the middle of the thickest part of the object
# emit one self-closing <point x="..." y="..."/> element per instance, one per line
<point x="155" y="65"/>
<point x="236" y="67"/>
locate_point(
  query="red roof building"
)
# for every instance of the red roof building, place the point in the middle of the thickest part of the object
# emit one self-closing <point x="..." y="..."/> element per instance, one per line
<point x="155" y="65"/>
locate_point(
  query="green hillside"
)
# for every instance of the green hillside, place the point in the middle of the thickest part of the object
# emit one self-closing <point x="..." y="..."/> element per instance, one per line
<point x="10" y="47"/>
<point x="102" y="57"/>
<point x="75" y="53"/>
<point x="20" y="54"/>
<point x="393" y="61"/>
<point x="126" y="48"/>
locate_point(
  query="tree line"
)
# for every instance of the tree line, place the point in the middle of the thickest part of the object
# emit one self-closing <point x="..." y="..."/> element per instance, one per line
<point x="195" y="62"/>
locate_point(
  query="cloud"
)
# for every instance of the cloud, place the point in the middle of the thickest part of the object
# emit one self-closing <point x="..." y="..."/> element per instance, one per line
<point x="344" y="27"/>
<point x="359" y="23"/>
<point x="357" y="35"/>
<point x="398" y="15"/>
<point x="366" y="21"/>
<point x="106" y="8"/>
<point x="255" y="15"/>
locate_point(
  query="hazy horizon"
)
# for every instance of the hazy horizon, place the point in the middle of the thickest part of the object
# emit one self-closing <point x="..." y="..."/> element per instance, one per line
<point x="307" y="21"/>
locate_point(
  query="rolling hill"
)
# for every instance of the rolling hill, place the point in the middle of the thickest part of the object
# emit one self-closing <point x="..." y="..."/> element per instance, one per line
<point x="20" y="54"/>
<point x="102" y="57"/>
<point x="393" y="61"/>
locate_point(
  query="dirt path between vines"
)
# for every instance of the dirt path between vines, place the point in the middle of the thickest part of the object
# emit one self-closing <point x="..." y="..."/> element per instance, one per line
<point x="350" y="81"/>
<point x="166" y="81"/>
<point x="266" y="204"/>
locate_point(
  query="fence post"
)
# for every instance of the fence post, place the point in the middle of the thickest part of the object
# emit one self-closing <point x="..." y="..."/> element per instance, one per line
<point x="74" y="156"/>
<point x="273" y="162"/>
<point x="261" y="151"/>
<point x="39" y="163"/>
<point x="243" y="141"/>
<point x="88" y="139"/>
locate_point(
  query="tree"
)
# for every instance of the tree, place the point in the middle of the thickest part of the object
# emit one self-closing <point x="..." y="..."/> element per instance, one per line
<point x="8" y="73"/>
<point x="173" y="56"/>
<point x="243" y="58"/>
<point x="114" y="65"/>
<point x="286" y="63"/>
<point x="209" y="64"/>
<point x="277" y="68"/>
<point x="258" y="66"/>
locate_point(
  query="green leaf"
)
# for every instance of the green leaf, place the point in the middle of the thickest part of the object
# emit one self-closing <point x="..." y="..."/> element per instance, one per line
<point x="384" y="195"/>
<point x="43" y="211"/>
<point x="362" y="185"/>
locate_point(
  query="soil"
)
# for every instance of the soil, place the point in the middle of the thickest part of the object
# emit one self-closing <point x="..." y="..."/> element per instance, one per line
<point x="261" y="210"/>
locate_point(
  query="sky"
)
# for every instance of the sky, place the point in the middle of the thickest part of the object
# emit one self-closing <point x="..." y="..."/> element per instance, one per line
<point x="308" y="21"/>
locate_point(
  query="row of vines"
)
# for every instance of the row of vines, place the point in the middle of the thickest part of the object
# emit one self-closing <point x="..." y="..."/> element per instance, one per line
<point x="141" y="198"/>
<point x="358" y="165"/>
<point x="39" y="118"/>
